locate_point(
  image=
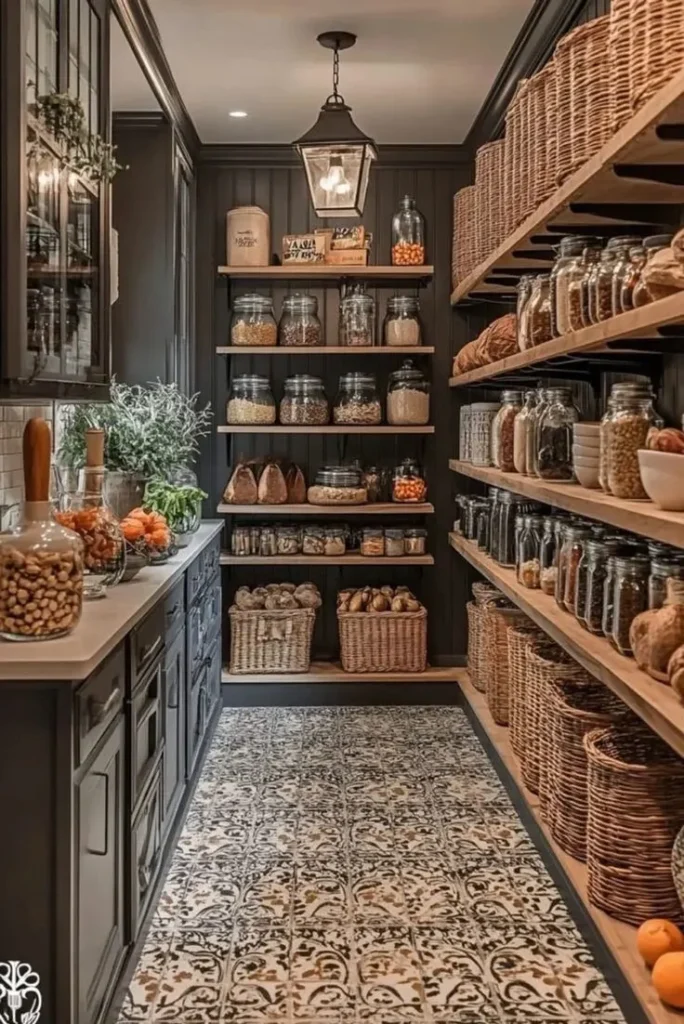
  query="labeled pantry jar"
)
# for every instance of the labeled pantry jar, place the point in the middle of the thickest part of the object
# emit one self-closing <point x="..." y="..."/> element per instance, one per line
<point x="482" y="415"/>
<point x="630" y="598"/>
<point x="554" y="444"/>
<point x="402" y="322"/>
<point x="357" y="320"/>
<point x="630" y="420"/>
<point x="304" y="401"/>
<point x="408" y="396"/>
<point x="358" y="401"/>
<point x="299" y="324"/>
<point x="503" y="430"/>
<point x="253" y="322"/>
<point x="250" y="400"/>
<point x="408" y="235"/>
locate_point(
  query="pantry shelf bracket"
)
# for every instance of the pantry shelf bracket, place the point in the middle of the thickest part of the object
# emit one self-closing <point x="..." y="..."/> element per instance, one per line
<point x="637" y="214"/>
<point x="665" y="174"/>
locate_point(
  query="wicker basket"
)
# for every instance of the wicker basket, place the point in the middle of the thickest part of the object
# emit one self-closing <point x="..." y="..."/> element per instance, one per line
<point x="463" y="248"/>
<point x="475" y="614"/>
<point x="656" y="47"/>
<point x="636" y="808"/>
<point x="513" y="161"/>
<point x="619" y="41"/>
<point x="572" y="714"/>
<point x="383" y="641"/>
<point x="520" y="638"/>
<point x="583" y="74"/>
<point x="484" y="592"/>
<point x="488" y="160"/>
<point x="541" y="134"/>
<point x="497" y="624"/>
<point x="270" y="641"/>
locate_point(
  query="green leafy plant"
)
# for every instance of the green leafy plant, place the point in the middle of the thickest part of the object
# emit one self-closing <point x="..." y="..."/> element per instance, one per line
<point x="180" y="506"/>
<point x="151" y="430"/>
<point x="87" y="153"/>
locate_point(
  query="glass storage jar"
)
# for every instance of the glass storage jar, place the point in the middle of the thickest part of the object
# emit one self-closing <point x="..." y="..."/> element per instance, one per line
<point x="621" y="262"/>
<point x="624" y="301"/>
<point x="554" y="449"/>
<point x="464" y="434"/>
<point x="373" y="542"/>
<point x="520" y="426"/>
<point x="474" y="507"/>
<point x="532" y="432"/>
<point x="548" y="557"/>
<point x="494" y="519"/>
<point x="358" y="401"/>
<point x="652" y="244"/>
<point x="299" y="324"/>
<point x="569" y="255"/>
<point x="574" y="540"/>
<point x="482" y="528"/>
<point x="253" y="322"/>
<point x="603" y="297"/>
<point x="524" y="293"/>
<point x="529" y="552"/>
<point x="394" y="542"/>
<point x="574" y="279"/>
<point x="594" y="566"/>
<point x="503" y="429"/>
<point x="592" y="259"/>
<point x="239" y="541"/>
<point x="304" y="401"/>
<point x="251" y="400"/>
<point x="373" y="479"/>
<point x="408" y="396"/>
<point x="408" y="482"/>
<point x="402" y="322"/>
<point x="408" y="235"/>
<point x="357" y="320"/>
<point x="510" y="508"/>
<point x="631" y="418"/>
<point x="662" y="570"/>
<point x="334" y="541"/>
<point x="415" y="541"/>
<point x="268" y="546"/>
<point x="287" y="540"/>
<point x="254" y="540"/>
<point x="539" y="312"/>
<point x="482" y="416"/>
<point x="630" y="598"/>
<point x="338" y="485"/>
<point x="313" y="540"/>
<point x="104" y="547"/>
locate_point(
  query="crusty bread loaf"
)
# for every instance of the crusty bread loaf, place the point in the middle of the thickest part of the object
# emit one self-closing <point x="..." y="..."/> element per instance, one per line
<point x="241" y="489"/>
<point x="272" y="487"/>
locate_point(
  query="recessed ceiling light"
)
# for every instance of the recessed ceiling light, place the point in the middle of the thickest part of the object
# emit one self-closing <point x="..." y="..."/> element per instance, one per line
<point x="238" y="113"/>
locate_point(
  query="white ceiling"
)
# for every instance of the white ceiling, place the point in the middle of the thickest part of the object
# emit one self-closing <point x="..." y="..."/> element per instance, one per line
<point x="418" y="73"/>
<point x="130" y="90"/>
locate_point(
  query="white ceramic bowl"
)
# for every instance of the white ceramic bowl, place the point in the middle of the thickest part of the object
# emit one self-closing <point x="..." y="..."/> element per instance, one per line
<point x="588" y="476"/>
<point x="586" y="429"/>
<point x="587" y="441"/>
<point x="662" y="474"/>
<point x="585" y="451"/>
<point x="582" y="460"/>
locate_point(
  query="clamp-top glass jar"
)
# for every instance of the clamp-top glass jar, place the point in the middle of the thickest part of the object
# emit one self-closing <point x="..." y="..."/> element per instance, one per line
<point x="630" y="420"/>
<point x="299" y="324"/>
<point x="554" y="450"/>
<point x="250" y="400"/>
<point x="253" y="322"/>
<point x="304" y="401"/>
<point x="357" y="320"/>
<point x="408" y="396"/>
<point x="402" y="322"/>
<point x="358" y="401"/>
<point x="408" y="235"/>
<point x="503" y="430"/>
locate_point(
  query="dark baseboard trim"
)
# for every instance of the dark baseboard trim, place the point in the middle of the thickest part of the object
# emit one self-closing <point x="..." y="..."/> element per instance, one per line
<point x="284" y="695"/>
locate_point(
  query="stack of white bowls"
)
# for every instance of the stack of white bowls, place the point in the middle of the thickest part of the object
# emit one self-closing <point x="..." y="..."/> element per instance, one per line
<point x="585" y="453"/>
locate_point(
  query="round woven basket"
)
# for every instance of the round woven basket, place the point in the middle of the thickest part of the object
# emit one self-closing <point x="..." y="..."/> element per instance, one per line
<point x="583" y="73"/>
<point x="520" y="638"/>
<point x="488" y="183"/>
<point x="619" y="39"/>
<point x="463" y="248"/>
<point x="513" y="160"/>
<point x="656" y="47"/>
<point x="483" y="592"/>
<point x="635" y="810"/>
<point x="475" y="614"/>
<point x="524" y="180"/>
<point x="498" y="623"/>
<point x="541" y="112"/>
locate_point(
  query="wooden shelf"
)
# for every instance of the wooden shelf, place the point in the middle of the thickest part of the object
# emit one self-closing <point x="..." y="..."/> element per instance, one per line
<point x="332" y="672"/>
<point x="341" y="560"/>
<point x="279" y="428"/>
<point x="326" y="272"/>
<point x="379" y="508"/>
<point x="596" y="182"/>
<point x="619" y="938"/>
<point x="638" y="516"/>
<point x="638" y="323"/>
<point x="325" y="350"/>
<point x="654" y="702"/>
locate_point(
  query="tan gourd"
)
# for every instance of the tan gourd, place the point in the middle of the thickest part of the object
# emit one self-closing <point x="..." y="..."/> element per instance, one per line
<point x="656" y="635"/>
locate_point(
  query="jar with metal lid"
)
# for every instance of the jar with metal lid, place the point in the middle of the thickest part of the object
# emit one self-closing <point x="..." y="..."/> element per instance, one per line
<point x="338" y="485"/>
<point x="334" y="541"/>
<point x="304" y="401"/>
<point x="593" y="575"/>
<point x="532" y="432"/>
<point x="529" y="552"/>
<point x="253" y="321"/>
<point x="239" y="541"/>
<point x="554" y="450"/>
<point x="394" y="542"/>
<point x="503" y="429"/>
<point x="464" y="434"/>
<point x="569" y="257"/>
<point x="313" y="540"/>
<point x="408" y="482"/>
<point x="592" y="260"/>
<point x="623" y="291"/>
<point x="574" y="278"/>
<point x="408" y="235"/>
<point x="539" y="312"/>
<point x="482" y="416"/>
<point x="662" y="570"/>
<point x="630" y="598"/>
<point x="510" y="508"/>
<point x="548" y="557"/>
<point x="652" y="244"/>
<point x="299" y="324"/>
<point x="373" y="479"/>
<point x="254" y="540"/>
<point x="408" y="396"/>
<point x="402" y="326"/>
<point x="613" y="252"/>
<point x="474" y="508"/>
<point x="268" y="546"/>
<point x="415" y="541"/>
<point x="581" y="586"/>
<point x="520" y="425"/>
<point x="287" y="540"/>
<point x="373" y="542"/>
<point x="621" y="262"/>
<point x="482" y="528"/>
<point x="573" y="536"/>
<point x="357" y="320"/>
<point x="358" y="401"/>
<point x="631" y="418"/>
<point x="250" y="400"/>
<point x="524" y="293"/>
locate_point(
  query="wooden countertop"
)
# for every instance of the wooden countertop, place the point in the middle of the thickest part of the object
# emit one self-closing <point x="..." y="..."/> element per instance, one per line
<point x="103" y="623"/>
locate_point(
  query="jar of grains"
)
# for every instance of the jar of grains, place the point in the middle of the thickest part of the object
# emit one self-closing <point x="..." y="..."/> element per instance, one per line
<point x="663" y="568"/>
<point x="630" y="598"/>
<point x="652" y="244"/>
<point x="554" y="450"/>
<point x="524" y="292"/>
<point x="529" y="552"/>
<point x="250" y="400"/>
<point x="574" y="276"/>
<point x="464" y="434"/>
<point x="539" y="312"/>
<point x="394" y="542"/>
<point x="548" y="557"/>
<point x="357" y="320"/>
<point x="299" y="324"/>
<point x="503" y="429"/>
<point x="287" y="540"/>
<point x="631" y="418"/>
<point x="334" y="541"/>
<point x="532" y="432"/>
<point x="402" y="322"/>
<point x="593" y="573"/>
<point x="253" y="322"/>
<point x="373" y="542"/>
<point x="408" y="482"/>
<point x="408" y="396"/>
<point x="415" y="541"/>
<point x="358" y="401"/>
<point x="313" y="540"/>
<point x="304" y="401"/>
<point x="574" y="538"/>
<point x="629" y="278"/>
<point x="592" y="261"/>
<point x="621" y="264"/>
<point x="570" y="251"/>
<point x="520" y="433"/>
<point x="482" y="416"/>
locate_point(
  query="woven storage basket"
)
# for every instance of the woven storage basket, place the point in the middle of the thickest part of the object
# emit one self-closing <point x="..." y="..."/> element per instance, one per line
<point x="636" y="808"/>
<point x="619" y="41"/>
<point x="513" y="162"/>
<point x="520" y="638"/>
<point x="572" y="714"/>
<point x="498" y="623"/>
<point x="525" y="204"/>
<point x="540" y="135"/>
<point x="383" y="641"/>
<point x="583" y="70"/>
<point x="475" y="614"/>
<point x="463" y="250"/>
<point x="488" y="161"/>
<point x="656" y="47"/>
<point x="270" y="641"/>
<point x="483" y="592"/>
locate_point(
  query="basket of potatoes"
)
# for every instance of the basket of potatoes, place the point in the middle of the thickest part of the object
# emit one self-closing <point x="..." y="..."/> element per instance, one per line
<point x="382" y="629"/>
<point x="271" y="628"/>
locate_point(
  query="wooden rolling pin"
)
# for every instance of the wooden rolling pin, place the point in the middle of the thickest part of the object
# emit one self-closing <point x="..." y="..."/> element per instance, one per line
<point x="37" y="449"/>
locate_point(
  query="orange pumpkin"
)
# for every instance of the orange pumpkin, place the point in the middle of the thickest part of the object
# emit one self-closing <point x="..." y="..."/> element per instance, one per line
<point x="656" y="937"/>
<point x="668" y="979"/>
<point x="133" y="529"/>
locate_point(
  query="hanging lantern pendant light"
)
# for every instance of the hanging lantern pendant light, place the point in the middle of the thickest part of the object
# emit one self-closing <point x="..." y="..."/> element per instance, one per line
<point x="337" y="155"/>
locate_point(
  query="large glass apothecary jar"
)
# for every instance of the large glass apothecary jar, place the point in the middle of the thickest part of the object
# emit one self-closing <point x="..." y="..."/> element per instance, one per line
<point x="408" y="235"/>
<point x="520" y="426"/>
<point x="253" y="321"/>
<point x="569" y="254"/>
<point x="304" y="401"/>
<point x="554" y="448"/>
<point x="299" y="324"/>
<point x="250" y="400"/>
<point x="104" y="548"/>
<point x="630" y="598"/>
<point x="357" y="320"/>
<point x="358" y="401"/>
<point x="482" y="416"/>
<point x="652" y="244"/>
<point x="631" y="417"/>
<point x="408" y="396"/>
<point x="402" y="327"/>
<point x="503" y="429"/>
<point x="539" y="324"/>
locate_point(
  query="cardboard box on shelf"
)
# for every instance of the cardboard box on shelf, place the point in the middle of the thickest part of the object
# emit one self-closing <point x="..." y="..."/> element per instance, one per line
<point x="303" y="249"/>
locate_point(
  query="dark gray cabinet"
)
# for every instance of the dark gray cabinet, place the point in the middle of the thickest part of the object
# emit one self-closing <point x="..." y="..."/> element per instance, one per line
<point x="173" y="691"/>
<point x="145" y="852"/>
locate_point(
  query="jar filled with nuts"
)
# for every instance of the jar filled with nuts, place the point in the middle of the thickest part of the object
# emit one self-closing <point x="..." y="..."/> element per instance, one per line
<point x="338" y="485"/>
<point x="287" y="540"/>
<point x="503" y="430"/>
<point x="539" y="312"/>
<point x="299" y="324"/>
<point x="630" y="598"/>
<point x="621" y="248"/>
<point x="304" y="401"/>
<point x="251" y="400"/>
<point x="408" y="235"/>
<point x="570" y="250"/>
<point x="373" y="542"/>
<point x="357" y="320"/>
<point x="520" y="425"/>
<point x="408" y="483"/>
<point x="554" y="448"/>
<point x="358" y="401"/>
<point x="408" y="396"/>
<point x="631" y="418"/>
<point x="402" y="322"/>
<point x="104" y="548"/>
<point x="253" y="322"/>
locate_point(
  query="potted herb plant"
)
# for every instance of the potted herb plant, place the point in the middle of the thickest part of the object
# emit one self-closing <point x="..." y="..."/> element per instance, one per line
<point x="180" y="504"/>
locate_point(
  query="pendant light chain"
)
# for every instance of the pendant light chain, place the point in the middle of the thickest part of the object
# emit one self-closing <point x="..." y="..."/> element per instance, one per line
<point x="336" y="73"/>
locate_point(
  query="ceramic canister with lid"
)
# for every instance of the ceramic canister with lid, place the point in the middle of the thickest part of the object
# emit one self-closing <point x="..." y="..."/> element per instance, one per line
<point x="482" y="415"/>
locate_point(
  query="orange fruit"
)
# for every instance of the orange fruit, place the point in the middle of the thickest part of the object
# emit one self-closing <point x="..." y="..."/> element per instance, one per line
<point x="668" y="979"/>
<point x="656" y="937"/>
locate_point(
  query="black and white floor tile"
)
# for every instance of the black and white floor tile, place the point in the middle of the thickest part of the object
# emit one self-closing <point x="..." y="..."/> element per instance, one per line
<point x="359" y="866"/>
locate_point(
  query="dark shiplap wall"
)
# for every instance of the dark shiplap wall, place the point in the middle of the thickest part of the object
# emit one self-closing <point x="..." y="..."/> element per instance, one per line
<point x="593" y="9"/>
<point x="281" y="190"/>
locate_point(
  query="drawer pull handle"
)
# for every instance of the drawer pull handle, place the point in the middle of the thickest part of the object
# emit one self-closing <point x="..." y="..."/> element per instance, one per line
<point x="98" y="710"/>
<point x="105" y="851"/>
<point x="173" y="611"/>
<point x="147" y="652"/>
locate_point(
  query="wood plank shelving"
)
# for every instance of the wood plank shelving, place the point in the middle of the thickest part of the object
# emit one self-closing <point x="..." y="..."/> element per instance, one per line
<point x="324" y="271"/>
<point x="637" y="323"/>
<point x="620" y="938"/>
<point x="279" y="428"/>
<point x="641" y="517"/>
<point x="379" y="508"/>
<point x="332" y="672"/>
<point x="654" y="702"/>
<point x="325" y="350"/>
<point x="340" y="560"/>
<point x="638" y="142"/>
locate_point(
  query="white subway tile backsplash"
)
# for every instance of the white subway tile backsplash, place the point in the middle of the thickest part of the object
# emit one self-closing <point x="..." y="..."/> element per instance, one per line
<point x="12" y="421"/>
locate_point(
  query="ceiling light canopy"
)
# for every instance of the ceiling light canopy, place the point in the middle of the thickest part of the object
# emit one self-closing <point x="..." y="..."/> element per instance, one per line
<point x="337" y="155"/>
<point x="237" y="113"/>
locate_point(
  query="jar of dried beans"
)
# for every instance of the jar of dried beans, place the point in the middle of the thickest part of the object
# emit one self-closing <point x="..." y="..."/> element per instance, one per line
<point x="630" y="598"/>
<point x="299" y="323"/>
<point x="630" y="421"/>
<point x="554" y="449"/>
<point x="503" y="430"/>
<point x="539" y="312"/>
<point x="253" y="322"/>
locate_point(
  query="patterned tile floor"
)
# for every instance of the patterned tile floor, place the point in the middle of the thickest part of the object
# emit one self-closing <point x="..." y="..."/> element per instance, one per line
<point x="359" y="866"/>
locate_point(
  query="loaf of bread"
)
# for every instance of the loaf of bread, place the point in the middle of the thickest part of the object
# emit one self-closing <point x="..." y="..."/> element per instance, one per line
<point x="663" y="275"/>
<point x="272" y="488"/>
<point x="500" y="339"/>
<point x="678" y="246"/>
<point x="465" y="359"/>
<point x="296" y="485"/>
<point x="241" y="489"/>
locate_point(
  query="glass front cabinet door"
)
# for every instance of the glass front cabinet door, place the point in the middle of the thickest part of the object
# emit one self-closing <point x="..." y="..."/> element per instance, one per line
<point x="55" y="274"/>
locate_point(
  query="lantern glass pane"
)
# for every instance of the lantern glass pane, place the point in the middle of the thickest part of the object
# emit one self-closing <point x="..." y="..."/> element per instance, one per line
<point x="334" y="173"/>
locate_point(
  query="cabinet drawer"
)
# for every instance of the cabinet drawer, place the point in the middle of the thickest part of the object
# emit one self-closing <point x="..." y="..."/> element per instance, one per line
<point x="146" y="848"/>
<point x="98" y="701"/>
<point x="213" y="676"/>
<point x="147" y="641"/>
<point x="194" y="578"/>
<point x="173" y="757"/>
<point x="146" y="729"/>
<point x="174" y="611"/>
<point x="197" y="718"/>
